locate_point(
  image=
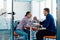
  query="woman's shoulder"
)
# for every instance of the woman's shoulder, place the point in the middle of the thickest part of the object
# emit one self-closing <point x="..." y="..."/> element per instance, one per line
<point x="24" y="19"/>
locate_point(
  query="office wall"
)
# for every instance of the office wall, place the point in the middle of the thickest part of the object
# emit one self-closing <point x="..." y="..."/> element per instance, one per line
<point x="20" y="8"/>
<point x="58" y="19"/>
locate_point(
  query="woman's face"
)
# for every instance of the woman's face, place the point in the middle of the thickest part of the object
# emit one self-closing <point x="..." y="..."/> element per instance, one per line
<point x="29" y="15"/>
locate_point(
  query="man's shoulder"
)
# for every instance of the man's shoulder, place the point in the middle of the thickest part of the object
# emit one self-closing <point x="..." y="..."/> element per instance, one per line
<point x="50" y="15"/>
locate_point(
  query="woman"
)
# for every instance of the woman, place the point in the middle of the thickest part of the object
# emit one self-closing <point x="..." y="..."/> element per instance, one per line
<point x="23" y="24"/>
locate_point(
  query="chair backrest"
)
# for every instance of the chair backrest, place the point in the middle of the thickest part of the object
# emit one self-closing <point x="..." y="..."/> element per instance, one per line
<point x="16" y="24"/>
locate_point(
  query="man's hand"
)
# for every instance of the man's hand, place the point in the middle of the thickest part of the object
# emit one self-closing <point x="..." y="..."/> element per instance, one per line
<point x="38" y="25"/>
<point x="34" y="29"/>
<point x="35" y="18"/>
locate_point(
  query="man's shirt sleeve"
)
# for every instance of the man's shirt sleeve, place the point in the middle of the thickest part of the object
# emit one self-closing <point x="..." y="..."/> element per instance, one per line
<point x="46" y="22"/>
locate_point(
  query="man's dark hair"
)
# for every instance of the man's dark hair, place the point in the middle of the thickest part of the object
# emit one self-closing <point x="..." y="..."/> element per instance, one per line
<point x="47" y="9"/>
<point x="27" y="13"/>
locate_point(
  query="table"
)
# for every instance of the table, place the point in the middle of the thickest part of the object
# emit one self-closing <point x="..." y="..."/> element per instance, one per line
<point x="35" y="30"/>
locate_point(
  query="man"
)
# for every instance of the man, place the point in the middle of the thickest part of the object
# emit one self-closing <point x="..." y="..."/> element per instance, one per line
<point x="49" y="24"/>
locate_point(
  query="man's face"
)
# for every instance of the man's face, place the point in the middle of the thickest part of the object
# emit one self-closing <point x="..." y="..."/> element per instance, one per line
<point x="45" y="13"/>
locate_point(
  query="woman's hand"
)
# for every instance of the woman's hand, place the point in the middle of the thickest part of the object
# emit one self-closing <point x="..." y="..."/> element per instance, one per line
<point x="27" y="27"/>
<point x="34" y="29"/>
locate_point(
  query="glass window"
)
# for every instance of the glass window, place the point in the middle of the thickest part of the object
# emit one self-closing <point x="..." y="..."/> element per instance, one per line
<point x="35" y="9"/>
<point x="42" y="6"/>
<point x="5" y="19"/>
<point x="49" y="4"/>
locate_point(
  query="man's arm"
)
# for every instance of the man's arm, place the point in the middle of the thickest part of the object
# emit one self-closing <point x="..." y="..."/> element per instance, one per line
<point x="46" y="22"/>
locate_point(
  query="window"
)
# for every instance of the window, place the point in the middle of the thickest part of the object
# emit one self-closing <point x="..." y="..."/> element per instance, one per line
<point x="42" y="6"/>
<point x="1" y="2"/>
<point x="35" y="9"/>
<point x="49" y="4"/>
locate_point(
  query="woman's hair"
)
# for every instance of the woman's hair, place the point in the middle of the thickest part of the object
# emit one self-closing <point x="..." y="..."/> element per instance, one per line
<point x="27" y="13"/>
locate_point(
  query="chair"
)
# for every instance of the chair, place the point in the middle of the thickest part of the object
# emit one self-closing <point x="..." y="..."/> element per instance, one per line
<point x="16" y="36"/>
<point x="49" y="37"/>
<point x="16" y="24"/>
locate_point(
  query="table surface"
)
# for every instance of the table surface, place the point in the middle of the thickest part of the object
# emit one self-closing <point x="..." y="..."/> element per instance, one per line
<point x="42" y="28"/>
